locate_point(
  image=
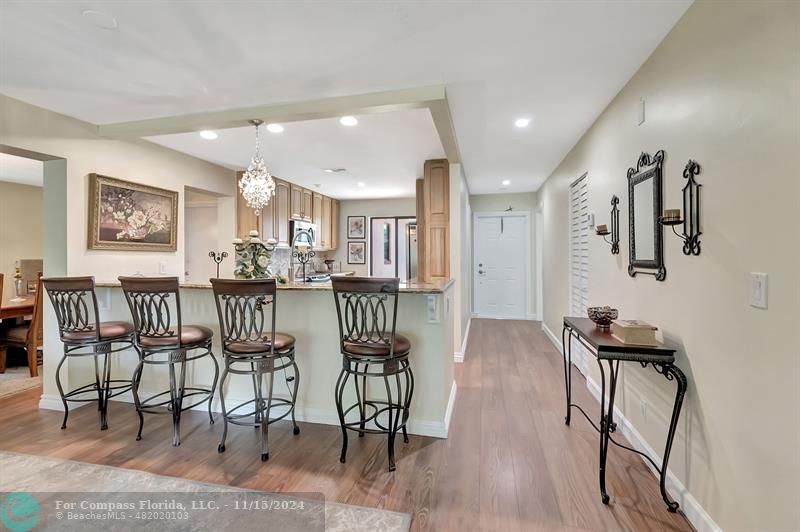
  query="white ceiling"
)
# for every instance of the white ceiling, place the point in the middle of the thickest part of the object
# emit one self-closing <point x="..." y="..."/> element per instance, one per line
<point x="559" y="63"/>
<point x="21" y="170"/>
<point x="385" y="151"/>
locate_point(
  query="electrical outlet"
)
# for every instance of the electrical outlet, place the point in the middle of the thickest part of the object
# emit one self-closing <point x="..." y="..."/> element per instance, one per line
<point x="758" y="290"/>
<point x="643" y="408"/>
<point x="640" y="112"/>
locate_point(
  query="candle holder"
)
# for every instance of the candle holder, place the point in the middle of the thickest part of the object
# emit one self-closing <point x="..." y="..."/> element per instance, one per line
<point x="302" y="249"/>
<point x="217" y="258"/>
<point x="691" y="208"/>
<point x="602" y="230"/>
<point x="253" y="256"/>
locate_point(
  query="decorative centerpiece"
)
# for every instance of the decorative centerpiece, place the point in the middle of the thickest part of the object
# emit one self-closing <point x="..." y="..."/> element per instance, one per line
<point x="602" y="316"/>
<point x="253" y="257"/>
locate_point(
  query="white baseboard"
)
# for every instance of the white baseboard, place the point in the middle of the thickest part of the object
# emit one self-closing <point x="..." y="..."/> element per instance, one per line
<point x="533" y="317"/>
<point x="527" y="317"/>
<point x="553" y="338"/>
<point x="458" y="356"/>
<point x="691" y="508"/>
<point x="323" y="416"/>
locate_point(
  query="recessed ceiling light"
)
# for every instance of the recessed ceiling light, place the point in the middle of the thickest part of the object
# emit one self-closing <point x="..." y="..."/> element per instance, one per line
<point x="361" y="184"/>
<point x="99" y="19"/>
<point x="334" y="170"/>
<point x="348" y="121"/>
<point x="318" y="185"/>
<point x="208" y="134"/>
<point x="275" y="128"/>
<point x="522" y="122"/>
<point x="506" y="182"/>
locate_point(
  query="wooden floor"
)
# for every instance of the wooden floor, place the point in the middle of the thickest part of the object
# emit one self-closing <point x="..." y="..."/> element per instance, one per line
<point x="510" y="463"/>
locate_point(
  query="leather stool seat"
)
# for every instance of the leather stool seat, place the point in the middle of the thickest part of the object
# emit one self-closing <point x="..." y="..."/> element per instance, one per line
<point x="401" y="347"/>
<point x="282" y="342"/>
<point x="190" y="335"/>
<point x="109" y="330"/>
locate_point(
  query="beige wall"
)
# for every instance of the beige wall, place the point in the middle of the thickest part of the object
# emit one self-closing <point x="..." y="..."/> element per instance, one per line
<point x="722" y="89"/>
<point x="521" y="201"/>
<point x="20" y="228"/>
<point x="82" y="151"/>
<point x="368" y="208"/>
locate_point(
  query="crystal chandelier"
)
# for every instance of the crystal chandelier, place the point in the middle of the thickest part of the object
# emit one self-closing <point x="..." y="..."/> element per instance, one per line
<point x="257" y="185"/>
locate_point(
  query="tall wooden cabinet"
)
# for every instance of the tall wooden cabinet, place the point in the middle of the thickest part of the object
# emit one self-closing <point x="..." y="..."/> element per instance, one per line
<point x="334" y="241"/>
<point x="436" y="220"/>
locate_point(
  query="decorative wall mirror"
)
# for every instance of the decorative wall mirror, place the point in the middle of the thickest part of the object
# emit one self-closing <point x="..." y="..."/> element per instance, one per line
<point x="644" y="209"/>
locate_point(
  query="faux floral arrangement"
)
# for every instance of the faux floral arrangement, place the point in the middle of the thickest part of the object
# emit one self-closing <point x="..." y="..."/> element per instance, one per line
<point x="254" y="258"/>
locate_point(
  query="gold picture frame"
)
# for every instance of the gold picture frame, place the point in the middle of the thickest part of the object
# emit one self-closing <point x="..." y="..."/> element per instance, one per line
<point x="128" y="216"/>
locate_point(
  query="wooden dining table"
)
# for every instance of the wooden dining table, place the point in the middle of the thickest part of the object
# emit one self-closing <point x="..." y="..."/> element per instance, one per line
<point x="17" y="309"/>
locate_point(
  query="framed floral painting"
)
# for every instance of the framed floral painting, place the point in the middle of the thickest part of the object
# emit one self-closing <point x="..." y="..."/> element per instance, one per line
<point x="130" y="216"/>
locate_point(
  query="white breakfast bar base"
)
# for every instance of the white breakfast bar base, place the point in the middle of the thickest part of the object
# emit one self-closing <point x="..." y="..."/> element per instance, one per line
<point x="309" y="315"/>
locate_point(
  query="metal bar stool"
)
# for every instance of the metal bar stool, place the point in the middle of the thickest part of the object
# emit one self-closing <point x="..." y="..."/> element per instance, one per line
<point x="245" y="307"/>
<point x="83" y="334"/>
<point x="367" y="312"/>
<point x="161" y="341"/>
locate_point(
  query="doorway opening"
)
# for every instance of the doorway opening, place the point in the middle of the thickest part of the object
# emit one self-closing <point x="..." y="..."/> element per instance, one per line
<point x="501" y="249"/>
<point x="393" y="247"/>
<point x="200" y="230"/>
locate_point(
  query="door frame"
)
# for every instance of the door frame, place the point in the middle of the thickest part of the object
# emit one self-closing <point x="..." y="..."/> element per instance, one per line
<point x="396" y="240"/>
<point x="527" y="277"/>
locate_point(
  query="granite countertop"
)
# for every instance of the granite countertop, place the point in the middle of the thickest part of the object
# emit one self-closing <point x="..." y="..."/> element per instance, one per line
<point x="413" y="287"/>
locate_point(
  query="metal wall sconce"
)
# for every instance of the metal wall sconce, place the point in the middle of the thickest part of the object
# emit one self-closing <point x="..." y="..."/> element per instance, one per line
<point x="691" y="208"/>
<point x="602" y="230"/>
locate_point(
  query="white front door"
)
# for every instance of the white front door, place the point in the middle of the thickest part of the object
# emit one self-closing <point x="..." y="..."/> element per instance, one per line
<point x="501" y="250"/>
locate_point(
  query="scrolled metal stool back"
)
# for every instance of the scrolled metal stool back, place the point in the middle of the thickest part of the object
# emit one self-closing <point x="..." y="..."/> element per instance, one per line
<point x="367" y="311"/>
<point x="244" y="308"/>
<point x="75" y="304"/>
<point x="152" y="301"/>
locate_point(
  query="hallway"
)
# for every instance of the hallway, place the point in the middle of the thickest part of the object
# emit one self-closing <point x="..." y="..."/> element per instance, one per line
<point x="509" y="464"/>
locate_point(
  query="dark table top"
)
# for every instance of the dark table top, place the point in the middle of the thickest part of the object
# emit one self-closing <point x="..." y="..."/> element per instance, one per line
<point x="608" y="347"/>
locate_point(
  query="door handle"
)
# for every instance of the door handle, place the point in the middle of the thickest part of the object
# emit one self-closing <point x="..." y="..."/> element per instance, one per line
<point x="481" y="272"/>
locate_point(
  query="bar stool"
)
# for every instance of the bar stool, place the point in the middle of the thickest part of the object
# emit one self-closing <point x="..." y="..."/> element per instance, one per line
<point x="245" y="307"/>
<point x="161" y="339"/>
<point x="367" y="312"/>
<point x="83" y="334"/>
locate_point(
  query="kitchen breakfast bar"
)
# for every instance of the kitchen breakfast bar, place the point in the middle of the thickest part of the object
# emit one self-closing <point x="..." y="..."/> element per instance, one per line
<point x="306" y="311"/>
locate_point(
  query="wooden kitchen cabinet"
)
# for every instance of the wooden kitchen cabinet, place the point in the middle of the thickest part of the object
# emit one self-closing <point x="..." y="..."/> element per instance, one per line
<point x="308" y="205"/>
<point x="436" y="225"/>
<point x="296" y="202"/>
<point x="334" y="241"/>
<point x="316" y="218"/>
<point x="325" y="229"/>
<point x="282" y="212"/>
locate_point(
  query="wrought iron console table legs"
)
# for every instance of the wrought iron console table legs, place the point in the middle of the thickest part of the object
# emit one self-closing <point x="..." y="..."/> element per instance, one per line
<point x="607" y="425"/>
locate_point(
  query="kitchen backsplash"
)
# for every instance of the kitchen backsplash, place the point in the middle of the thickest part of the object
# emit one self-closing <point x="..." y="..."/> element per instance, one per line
<point x="282" y="259"/>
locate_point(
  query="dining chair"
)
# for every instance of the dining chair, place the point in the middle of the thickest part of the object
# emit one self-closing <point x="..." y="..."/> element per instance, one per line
<point x="27" y="336"/>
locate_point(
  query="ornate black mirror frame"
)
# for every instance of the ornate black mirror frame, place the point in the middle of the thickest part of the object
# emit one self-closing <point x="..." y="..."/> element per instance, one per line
<point x="647" y="168"/>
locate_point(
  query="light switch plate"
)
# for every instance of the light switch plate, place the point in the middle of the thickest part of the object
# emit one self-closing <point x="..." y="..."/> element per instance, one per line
<point x="162" y="267"/>
<point x="758" y="290"/>
<point x="640" y="112"/>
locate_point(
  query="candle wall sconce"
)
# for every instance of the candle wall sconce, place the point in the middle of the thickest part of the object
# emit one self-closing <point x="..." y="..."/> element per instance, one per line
<point x="217" y="258"/>
<point x="602" y="230"/>
<point x="691" y="211"/>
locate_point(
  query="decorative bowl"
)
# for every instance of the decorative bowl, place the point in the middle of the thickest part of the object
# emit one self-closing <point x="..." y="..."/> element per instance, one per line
<point x="602" y="316"/>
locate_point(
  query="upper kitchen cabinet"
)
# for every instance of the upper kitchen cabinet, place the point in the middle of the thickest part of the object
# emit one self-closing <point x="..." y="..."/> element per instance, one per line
<point x="325" y="227"/>
<point x="308" y="205"/>
<point x="282" y="206"/>
<point x="316" y="218"/>
<point x="334" y="241"/>
<point x="302" y="204"/>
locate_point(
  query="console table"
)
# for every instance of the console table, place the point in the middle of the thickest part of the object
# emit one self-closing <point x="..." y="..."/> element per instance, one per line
<point x="608" y="349"/>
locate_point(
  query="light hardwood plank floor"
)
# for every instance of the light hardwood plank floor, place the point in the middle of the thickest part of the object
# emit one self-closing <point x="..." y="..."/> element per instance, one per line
<point x="510" y="463"/>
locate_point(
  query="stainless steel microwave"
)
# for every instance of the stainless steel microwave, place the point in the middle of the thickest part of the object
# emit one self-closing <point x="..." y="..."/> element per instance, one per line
<point x="297" y="227"/>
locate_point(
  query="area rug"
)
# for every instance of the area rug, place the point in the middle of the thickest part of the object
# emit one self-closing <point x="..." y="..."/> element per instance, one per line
<point x="16" y="380"/>
<point x="35" y="487"/>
